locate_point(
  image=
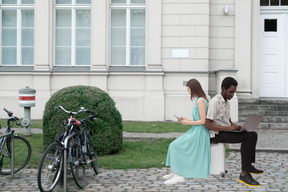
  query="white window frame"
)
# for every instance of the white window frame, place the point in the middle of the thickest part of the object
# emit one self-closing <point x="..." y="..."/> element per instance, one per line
<point x="73" y="7"/>
<point x="128" y="6"/>
<point x="18" y="7"/>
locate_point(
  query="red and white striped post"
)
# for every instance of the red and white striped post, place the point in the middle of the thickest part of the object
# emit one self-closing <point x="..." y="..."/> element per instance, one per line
<point x="27" y="100"/>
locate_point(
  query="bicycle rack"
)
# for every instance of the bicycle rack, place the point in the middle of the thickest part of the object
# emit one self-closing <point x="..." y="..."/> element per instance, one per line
<point x="65" y="161"/>
<point x="12" y="150"/>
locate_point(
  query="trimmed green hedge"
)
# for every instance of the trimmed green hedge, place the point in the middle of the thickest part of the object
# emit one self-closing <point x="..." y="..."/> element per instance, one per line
<point x="107" y="129"/>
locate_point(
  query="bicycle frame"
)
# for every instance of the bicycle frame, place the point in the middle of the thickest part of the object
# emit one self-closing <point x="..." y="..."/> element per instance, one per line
<point x="3" y="139"/>
<point x="8" y="129"/>
<point x="2" y="142"/>
<point x="65" y="161"/>
<point x="7" y="133"/>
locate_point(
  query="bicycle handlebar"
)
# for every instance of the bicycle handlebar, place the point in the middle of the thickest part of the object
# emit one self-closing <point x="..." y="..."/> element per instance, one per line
<point x="91" y="117"/>
<point x="82" y="109"/>
<point x="9" y="113"/>
<point x="70" y="112"/>
<point x="12" y="118"/>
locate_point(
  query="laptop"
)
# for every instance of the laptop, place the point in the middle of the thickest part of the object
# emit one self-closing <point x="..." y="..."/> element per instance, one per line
<point x="251" y="123"/>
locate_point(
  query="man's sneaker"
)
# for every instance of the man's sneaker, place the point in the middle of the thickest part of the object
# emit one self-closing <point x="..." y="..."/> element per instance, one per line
<point x="255" y="171"/>
<point x="248" y="180"/>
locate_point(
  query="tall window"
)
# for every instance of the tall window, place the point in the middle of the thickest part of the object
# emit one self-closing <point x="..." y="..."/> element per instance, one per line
<point x="72" y="32"/>
<point x="127" y="32"/>
<point x="17" y="32"/>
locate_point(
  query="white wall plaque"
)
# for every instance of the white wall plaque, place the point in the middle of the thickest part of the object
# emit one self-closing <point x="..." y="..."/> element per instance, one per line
<point x="180" y="53"/>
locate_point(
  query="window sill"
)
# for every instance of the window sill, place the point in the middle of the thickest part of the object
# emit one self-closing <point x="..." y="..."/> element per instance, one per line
<point x="126" y="69"/>
<point x="71" y="69"/>
<point x="16" y="68"/>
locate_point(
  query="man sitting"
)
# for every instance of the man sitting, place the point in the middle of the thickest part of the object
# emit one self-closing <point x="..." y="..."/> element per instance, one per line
<point x="221" y="128"/>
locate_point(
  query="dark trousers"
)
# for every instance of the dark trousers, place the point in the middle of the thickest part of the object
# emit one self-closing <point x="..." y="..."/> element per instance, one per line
<point x="248" y="142"/>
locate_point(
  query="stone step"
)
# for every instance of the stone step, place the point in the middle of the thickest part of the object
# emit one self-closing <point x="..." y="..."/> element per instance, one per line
<point x="267" y="126"/>
<point x="268" y="114"/>
<point x="263" y="107"/>
<point x="274" y="111"/>
<point x="247" y="112"/>
<point x="268" y="119"/>
<point x="275" y="126"/>
<point x="277" y="101"/>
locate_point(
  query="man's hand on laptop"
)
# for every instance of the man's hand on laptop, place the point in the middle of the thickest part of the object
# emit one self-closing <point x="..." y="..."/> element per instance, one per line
<point x="234" y="127"/>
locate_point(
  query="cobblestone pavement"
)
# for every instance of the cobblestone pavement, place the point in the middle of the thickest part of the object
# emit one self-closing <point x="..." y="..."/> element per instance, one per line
<point x="274" y="164"/>
<point x="271" y="157"/>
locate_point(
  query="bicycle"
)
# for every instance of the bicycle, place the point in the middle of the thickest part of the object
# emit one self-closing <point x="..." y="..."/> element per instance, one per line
<point x="22" y="148"/>
<point x="51" y="165"/>
<point x="82" y="148"/>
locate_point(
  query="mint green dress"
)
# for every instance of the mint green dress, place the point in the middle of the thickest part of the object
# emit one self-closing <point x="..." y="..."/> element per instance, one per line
<point x="189" y="155"/>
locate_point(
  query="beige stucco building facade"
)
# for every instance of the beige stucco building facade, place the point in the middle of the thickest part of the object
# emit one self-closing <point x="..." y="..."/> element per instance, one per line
<point x="203" y="39"/>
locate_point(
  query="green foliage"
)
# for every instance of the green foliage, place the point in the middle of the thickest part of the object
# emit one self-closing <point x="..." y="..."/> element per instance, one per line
<point x="107" y="129"/>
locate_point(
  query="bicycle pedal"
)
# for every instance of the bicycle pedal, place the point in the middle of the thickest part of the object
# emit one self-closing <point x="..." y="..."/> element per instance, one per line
<point x="90" y="161"/>
<point x="76" y="163"/>
<point x="50" y="167"/>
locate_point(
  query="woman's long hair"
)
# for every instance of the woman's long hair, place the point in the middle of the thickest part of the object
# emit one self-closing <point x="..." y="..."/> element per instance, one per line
<point x="196" y="89"/>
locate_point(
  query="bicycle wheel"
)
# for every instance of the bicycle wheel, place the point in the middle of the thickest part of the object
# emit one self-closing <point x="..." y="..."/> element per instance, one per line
<point x="77" y="163"/>
<point x="22" y="154"/>
<point x="50" y="168"/>
<point x="92" y="155"/>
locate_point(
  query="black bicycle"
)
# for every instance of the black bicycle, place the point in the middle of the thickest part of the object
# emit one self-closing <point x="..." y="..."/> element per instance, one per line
<point x="51" y="165"/>
<point x="22" y="148"/>
<point x="83" y="151"/>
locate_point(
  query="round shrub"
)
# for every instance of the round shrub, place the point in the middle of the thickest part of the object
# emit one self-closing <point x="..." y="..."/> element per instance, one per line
<point x="107" y="129"/>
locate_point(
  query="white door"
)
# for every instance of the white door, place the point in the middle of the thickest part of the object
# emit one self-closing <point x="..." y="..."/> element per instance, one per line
<point x="273" y="62"/>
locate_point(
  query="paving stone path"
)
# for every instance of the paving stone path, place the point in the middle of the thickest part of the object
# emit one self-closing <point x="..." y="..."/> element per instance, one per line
<point x="134" y="180"/>
<point x="275" y="165"/>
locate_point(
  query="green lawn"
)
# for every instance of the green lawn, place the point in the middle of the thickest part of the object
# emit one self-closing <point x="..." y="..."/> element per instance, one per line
<point x="36" y="142"/>
<point x="140" y="154"/>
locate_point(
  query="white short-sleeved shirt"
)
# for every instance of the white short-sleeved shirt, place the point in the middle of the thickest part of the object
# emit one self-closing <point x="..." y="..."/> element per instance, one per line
<point x="219" y="112"/>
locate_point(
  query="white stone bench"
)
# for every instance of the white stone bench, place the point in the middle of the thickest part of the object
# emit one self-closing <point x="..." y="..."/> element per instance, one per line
<point x="217" y="166"/>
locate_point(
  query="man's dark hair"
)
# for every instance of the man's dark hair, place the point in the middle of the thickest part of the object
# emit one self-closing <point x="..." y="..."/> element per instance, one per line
<point x="228" y="82"/>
